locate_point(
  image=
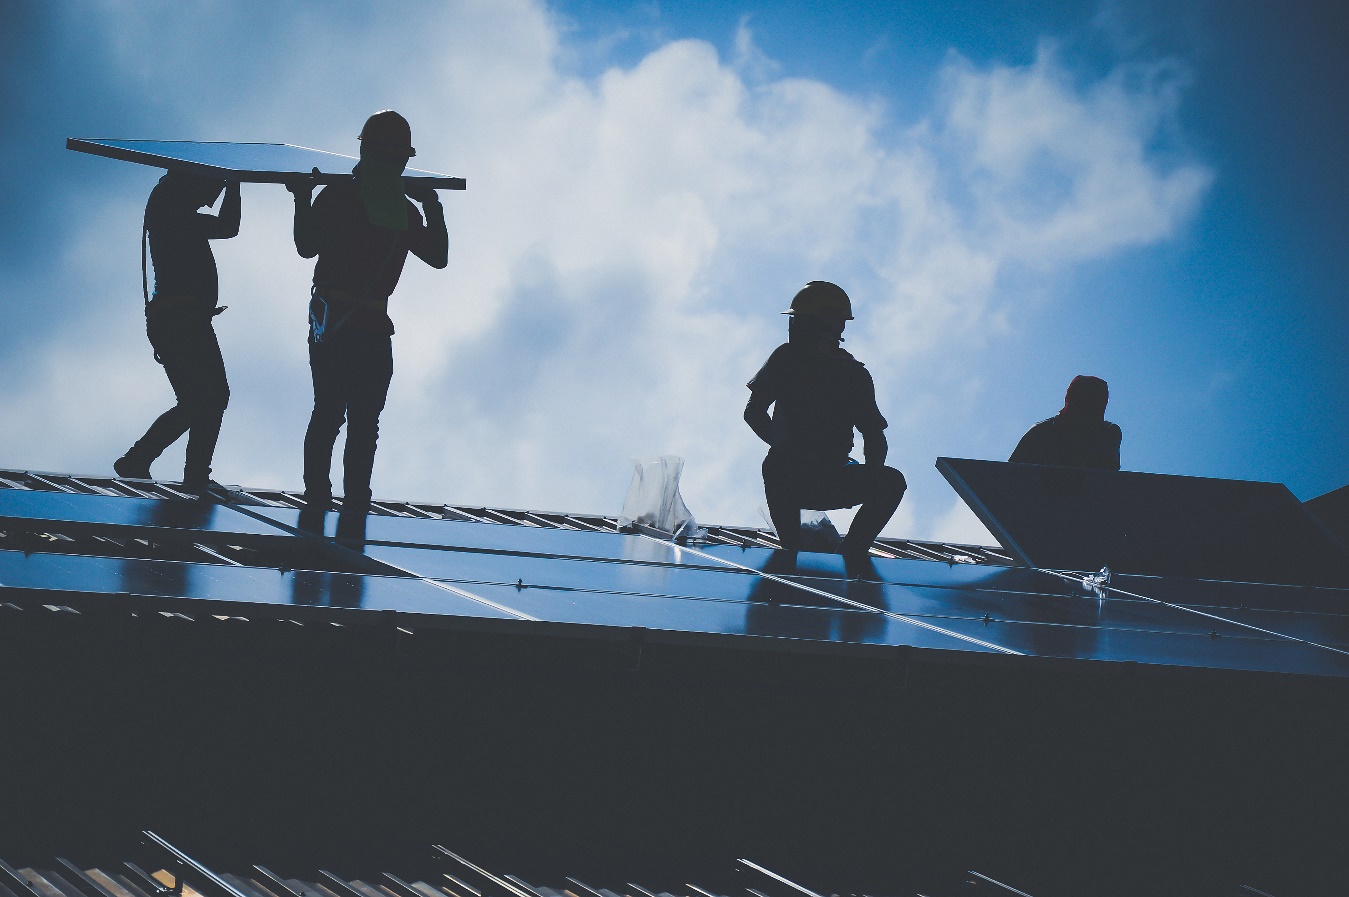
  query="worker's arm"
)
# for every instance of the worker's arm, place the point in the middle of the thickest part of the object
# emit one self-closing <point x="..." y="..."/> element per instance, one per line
<point x="875" y="447"/>
<point x="756" y="415"/>
<point x="226" y="224"/>
<point x="432" y="243"/>
<point x="308" y="239"/>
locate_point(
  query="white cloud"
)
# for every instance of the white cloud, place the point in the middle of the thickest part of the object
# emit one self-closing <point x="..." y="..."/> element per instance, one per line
<point x="618" y="259"/>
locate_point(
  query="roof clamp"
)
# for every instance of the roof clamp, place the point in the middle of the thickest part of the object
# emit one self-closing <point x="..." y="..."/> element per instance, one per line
<point x="1097" y="583"/>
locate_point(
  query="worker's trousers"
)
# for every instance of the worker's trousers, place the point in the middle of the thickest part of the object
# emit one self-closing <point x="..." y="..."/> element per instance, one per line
<point x="351" y="371"/>
<point x="791" y="485"/>
<point x="185" y="344"/>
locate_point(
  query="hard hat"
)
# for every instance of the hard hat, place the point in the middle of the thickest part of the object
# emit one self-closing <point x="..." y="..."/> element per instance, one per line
<point x="389" y="130"/>
<point x="821" y="299"/>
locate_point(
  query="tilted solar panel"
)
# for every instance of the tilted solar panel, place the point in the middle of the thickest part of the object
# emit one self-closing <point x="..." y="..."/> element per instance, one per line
<point x="261" y="163"/>
<point x="1067" y="518"/>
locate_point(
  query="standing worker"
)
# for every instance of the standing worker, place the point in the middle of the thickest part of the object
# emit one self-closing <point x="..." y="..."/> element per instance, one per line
<point x="820" y="394"/>
<point x="361" y="229"/>
<point x="178" y="320"/>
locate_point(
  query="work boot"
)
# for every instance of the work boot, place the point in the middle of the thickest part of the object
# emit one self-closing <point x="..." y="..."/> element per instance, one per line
<point x="857" y="559"/>
<point x="199" y="483"/>
<point x="131" y="468"/>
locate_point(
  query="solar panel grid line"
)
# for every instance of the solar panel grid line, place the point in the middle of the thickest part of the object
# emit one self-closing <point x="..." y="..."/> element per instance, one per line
<point x="463" y="885"/>
<point x="499" y="882"/>
<point x="702" y="892"/>
<point x="802" y="889"/>
<point x="855" y="604"/>
<point x="1205" y="614"/>
<point x="1006" y="888"/>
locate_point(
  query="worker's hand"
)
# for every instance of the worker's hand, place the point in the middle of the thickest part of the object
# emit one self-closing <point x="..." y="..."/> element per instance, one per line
<point x="302" y="186"/>
<point x="421" y="193"/>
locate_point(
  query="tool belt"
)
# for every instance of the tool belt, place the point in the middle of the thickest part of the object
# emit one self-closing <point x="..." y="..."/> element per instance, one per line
<point x="163" y="302"/>
<point x="331" y="308"/>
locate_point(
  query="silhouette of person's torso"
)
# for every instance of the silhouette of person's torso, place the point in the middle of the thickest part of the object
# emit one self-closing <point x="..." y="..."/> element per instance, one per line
<point x="819" y="398"/>
<point x="1065" y="441"/>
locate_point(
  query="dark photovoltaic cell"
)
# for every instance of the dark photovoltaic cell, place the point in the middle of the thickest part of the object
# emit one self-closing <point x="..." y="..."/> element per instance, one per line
<point x="263" y="163"/>
<point x="22" y="509"/>
<point x="245" y="585"/>
<point x="1066" y="518"/>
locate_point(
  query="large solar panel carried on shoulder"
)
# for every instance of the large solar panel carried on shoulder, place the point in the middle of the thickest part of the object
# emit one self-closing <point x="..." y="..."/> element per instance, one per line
<point x="262" y="163"/>
<point x="1068" y="518"/>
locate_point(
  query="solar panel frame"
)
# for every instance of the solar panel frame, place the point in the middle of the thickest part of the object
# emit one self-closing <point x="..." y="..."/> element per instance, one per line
<point x="1184" y="527"/>
<point x="178" y="155"/>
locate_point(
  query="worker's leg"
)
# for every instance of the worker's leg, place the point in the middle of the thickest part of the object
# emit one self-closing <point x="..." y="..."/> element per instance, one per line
<point x="163" y="330"/>
<point x="206" y="393"/>
<point x="880" y="490"/>
<point x="329" y="368"/>
<point x="372" y="369"/>
<point x="781" y="489"/>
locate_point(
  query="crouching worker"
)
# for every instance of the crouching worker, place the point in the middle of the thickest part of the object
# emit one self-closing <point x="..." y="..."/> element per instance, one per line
<point x="819" y="394"/>
<point x="178" y="320"/>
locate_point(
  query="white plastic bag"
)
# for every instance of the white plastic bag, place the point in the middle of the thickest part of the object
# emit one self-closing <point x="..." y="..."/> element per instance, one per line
<point x="818" y="532"/>
<point x="654" y="501"/>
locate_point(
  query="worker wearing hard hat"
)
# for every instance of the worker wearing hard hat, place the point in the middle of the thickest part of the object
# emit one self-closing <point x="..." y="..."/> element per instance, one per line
<point x="178" y="320"/>
<point x="820" y="394"/>
<point x="362" y="230"/>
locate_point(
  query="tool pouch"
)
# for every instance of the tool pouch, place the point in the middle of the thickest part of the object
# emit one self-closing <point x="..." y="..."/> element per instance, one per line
<point x="326" y="317"/>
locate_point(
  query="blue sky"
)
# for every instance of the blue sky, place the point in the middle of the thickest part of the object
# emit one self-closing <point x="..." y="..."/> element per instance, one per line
<point x="1014" y="193"/>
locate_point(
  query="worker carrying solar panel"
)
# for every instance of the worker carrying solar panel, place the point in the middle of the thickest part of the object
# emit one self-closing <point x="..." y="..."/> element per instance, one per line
<point x="1079" y="435"/>
<point x="361" y="229"/>
<point x="820" y="394"/>
<point x="178" y="320"/>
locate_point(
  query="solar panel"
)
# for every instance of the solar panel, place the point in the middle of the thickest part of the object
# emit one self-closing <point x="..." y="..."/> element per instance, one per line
<point x="1068" y="518"/>
<point x="446" y="572"/>
<point x="261" y="163"/>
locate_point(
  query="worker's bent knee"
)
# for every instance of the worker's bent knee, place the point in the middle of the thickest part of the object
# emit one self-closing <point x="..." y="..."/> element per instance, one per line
<point x="892" y="481"/>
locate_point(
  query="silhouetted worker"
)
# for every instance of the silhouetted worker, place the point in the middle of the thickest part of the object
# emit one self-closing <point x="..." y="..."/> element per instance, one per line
<point x="820" y="394"/>
<point x="178" y="320"/>
<point x="1079" y="435"/>
<point x="361" y="229"/>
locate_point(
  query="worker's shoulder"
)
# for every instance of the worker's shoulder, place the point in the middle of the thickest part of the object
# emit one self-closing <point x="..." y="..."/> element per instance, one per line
<point x="1045" y="427"/>
<point x="846" y="361"/>
<point x="339" y="191"/>
<point x="1114" y="430"/>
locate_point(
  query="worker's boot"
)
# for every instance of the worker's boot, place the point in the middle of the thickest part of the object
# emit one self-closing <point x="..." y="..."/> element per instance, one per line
<point x="132" y="467"/>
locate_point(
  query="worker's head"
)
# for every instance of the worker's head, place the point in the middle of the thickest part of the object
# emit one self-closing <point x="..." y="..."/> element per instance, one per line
<point x="192" y="191"/>
<point x="819" y="312"/>
<point x="387" y="136"/>
<point x="1086" y="398"/>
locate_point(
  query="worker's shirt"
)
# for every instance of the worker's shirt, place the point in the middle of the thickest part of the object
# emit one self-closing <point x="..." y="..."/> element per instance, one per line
<point x="180" y="248"/>
<point x="818" y="400"/>
<point x="1068" y="442"/>
<point x="361" y="262"/>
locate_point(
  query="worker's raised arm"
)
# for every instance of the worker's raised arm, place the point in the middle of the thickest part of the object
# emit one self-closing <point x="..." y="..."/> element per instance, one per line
<point x="756" y="415"/>
<point x="431" y="243"/>
<point x="308" y="239"/>
<point x="226" y="224"/>
<point x="875" y="447"/>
